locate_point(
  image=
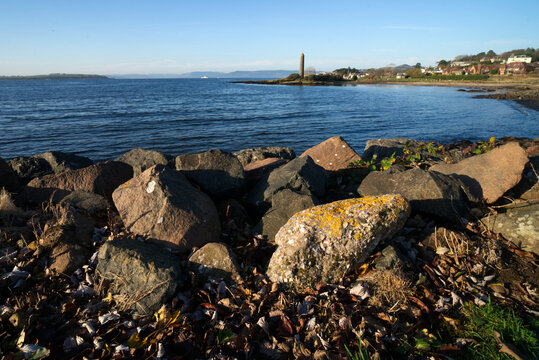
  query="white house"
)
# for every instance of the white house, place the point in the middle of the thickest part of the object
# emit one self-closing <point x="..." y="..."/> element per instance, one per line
<point x="519" y="58"/>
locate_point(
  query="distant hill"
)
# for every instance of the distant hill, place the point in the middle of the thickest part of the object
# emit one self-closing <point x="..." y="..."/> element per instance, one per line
<point x="258" y="74"/>
<point x="55" y="77"/>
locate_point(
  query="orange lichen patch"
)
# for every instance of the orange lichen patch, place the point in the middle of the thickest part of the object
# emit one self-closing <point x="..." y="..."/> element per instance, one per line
<point x="334" y="217"/>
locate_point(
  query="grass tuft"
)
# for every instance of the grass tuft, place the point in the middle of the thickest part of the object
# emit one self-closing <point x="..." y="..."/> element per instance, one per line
<point x="481" y="323"/>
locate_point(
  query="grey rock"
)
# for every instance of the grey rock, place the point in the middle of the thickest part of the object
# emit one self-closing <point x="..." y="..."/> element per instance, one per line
<point x="325" y="242"/>
<point x="392" y="257"/>
<point x="428" y="192"/>
<point x="384" y="148"/>
<point x="61" y="161"/>
<point x="301" y="175"/>
<point x="8" y="178"/>
<point x="90" y="202"/>
<point x="147" y="275"/>
<point x="248" y="156"/>
<point x="217" y="172"/>
<point x="214" y="261"/>
<point x="519" y="224"/>
<point x="142" y="159"/>
<point x="28" y="168"/>
<point x="285" y="203"/>
<point x="50" y="162"/>
<point x="491" y="174"/>
<point x="162" y="204"/>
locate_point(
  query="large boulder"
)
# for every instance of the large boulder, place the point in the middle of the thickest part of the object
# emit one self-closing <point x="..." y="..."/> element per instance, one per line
<point x="325" y="242"/>
<point x="144" y="275"/>
<point x="217" y="172"/>
<point x="8" y="179"/>
<point x="519" y="224"/>
<point x="384" y="148"/>
<point x="285" y="203"/>
<point x="214" y="261"/>
<point x="50" y="162"/>
<point x="301" y="175"/>
<point x="162" y="204"/>
<point x="248" y="156"/>
<point x="491" y="174"/>
<point x="332" y="154"/>
<point x="142" y="159"/>
<point x="101" y="178"/>
<point x="428" y="192"/>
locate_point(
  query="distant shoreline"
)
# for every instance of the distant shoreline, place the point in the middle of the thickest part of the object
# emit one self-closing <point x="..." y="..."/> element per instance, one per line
<point x="525" y="93"/>
<point x="56" y="77"/>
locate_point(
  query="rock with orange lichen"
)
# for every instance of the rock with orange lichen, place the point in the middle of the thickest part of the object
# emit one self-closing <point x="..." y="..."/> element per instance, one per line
<point x="325" y="242"/>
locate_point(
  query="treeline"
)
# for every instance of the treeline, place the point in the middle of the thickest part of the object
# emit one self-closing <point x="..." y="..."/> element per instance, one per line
<point x="533" y="53"/>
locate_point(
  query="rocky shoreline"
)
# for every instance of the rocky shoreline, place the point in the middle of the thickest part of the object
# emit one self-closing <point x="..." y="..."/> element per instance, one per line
<point x="268" y="255"/>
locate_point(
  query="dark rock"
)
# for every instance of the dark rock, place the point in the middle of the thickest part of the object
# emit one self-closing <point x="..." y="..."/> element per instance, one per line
<point x="519" y="224"/>
<point x="90" y="202"/>
<point x="8" y="179"/>
<point x="28" y="168"/>
<point x="50" y="162"/>
<point x="301" y="175"/>
<point x="491" y="174"/>
<point x="60" y="161"/>
<point x="392" y="257"/>
<point x="214" y="261"/>
<point x="142" y="159"/>
<point x="332" y="154"/>
<point x="162" y="204"/>
<point x="217" y="172"/>
<point x="147" y="275"/>
<point x="384" y="148"/>
<point x="285" y="203"/>
<point x="248" y="156"/>
<point x="428" y="192"/>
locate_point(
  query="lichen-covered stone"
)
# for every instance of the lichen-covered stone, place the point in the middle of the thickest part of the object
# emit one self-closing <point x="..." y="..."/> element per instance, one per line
<point x="325" y="242"/>
<point x="519" y="224"/>
<point x="214" y="261"/>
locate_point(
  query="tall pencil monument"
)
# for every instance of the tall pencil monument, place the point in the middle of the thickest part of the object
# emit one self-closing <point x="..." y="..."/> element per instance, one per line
<point x="301" y="65"/>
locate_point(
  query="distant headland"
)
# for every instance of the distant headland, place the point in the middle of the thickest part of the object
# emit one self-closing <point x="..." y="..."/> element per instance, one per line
<point x="55" y="77"/>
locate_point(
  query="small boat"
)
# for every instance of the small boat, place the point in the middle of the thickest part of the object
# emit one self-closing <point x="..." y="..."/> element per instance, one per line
<point x="204" y="77"/>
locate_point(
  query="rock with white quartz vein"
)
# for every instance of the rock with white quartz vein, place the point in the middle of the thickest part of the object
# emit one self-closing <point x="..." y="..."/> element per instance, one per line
<point x="325" y="242"/>
<point x="161" y="203"/>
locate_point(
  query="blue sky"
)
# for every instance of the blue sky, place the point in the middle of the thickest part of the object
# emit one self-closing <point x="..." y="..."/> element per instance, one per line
<point x="164" y="36"/>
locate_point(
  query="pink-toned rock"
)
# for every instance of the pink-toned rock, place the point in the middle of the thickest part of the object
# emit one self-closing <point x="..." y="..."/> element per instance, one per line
<point x="162" y="204"/>
<point x="256" y="170"/>
<point x="491" y="174"/>
<point x="101" y="178"/>
<point x="332" y="154"/>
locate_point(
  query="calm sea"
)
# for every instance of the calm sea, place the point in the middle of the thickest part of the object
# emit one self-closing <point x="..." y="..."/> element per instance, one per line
<point x="103" y="119"/>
